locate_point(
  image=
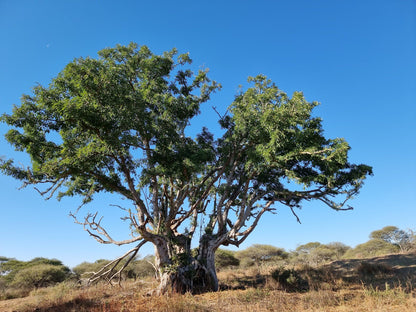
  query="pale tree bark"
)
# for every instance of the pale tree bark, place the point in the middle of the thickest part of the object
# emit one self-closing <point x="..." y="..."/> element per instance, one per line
<point x="184" y="272"/>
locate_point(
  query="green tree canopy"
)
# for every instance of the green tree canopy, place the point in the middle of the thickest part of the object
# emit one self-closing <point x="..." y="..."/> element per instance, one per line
<point x="117" y="124"/>
<point x="141" y="268"/>
<point x="395" y="236"/>
<point x="372" y="248"/>
<point x="308" y="247"/>
<point x="40" y="275"/>
<point x="258" y="253"/>
<point x="315" y="253"/>
<point x="86" y="269"/>
<point x="225" y="258"/>
<point x="38" y="272"/>
<point x="339" y="249"/>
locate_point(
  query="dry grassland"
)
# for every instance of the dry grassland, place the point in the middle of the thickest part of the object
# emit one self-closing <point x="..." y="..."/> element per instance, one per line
<point x="379" y="284"/>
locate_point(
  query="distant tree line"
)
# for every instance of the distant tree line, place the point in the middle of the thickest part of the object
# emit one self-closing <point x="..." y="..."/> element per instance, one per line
<point x="388" y="240"/>
<point x="18" y="278"/>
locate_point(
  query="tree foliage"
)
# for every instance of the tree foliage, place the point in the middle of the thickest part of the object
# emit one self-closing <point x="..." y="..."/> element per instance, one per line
<point x="394" y="235"/>
<point x="339" y="248"/>
<point x="38" y="272"/>
<point x="315" y="253"/>
<point x="86" y="269"/>
<point x="390" y="239"/>
<point x="259" y="254"/>
<point x="226" y="258"/>
<point x="372" y="248"/>
<point x="137" y="268"/>
<point x="40" y="275"/>
<point x="117" y="124"/>
<point x="141" y="268"/>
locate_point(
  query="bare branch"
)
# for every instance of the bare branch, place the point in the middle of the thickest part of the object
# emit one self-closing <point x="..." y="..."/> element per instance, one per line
<point x="219" y="115"/>
<point x="56" y="184"/>
<point x="234" y="233"/>
<point x="294" y="213"/>
<point x="91" y="225"/>
<point x="108" y="271"/>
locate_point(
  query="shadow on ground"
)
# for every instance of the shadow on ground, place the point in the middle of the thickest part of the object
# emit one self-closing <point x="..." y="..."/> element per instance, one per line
<point x="398" y="270"/>
<point x="379" y="272"/>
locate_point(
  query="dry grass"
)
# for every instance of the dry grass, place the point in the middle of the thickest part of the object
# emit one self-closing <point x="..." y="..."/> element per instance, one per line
<point x="373" y="286"/>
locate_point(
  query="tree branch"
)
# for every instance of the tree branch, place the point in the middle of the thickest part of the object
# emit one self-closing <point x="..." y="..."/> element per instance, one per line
<point x="91" y="225"/>
<point x="108" y="271"/>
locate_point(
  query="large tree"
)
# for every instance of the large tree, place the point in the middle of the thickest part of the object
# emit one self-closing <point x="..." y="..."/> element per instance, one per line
<point x="395" y="236"/>
<point x="117" y="124"/>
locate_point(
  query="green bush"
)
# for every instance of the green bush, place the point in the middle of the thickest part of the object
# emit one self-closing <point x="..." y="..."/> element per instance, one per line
<point x="140" y="268"/>
<point x="315" y="253"/>
<point x="40" y="275"/>
<point x="136" y="268"/>
<point x="404" y="240"/>
<point x="258" y="254"/>
<point x="85" y="269"/>
<point x="225" y="258"/>
<point x="372" y="248"/>
<point x="18" y="278"/>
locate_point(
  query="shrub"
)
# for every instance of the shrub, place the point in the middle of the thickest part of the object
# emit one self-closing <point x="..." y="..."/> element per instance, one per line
<point x="19" y="277"/>
<point x="85" y="269"/>
<point x="140" y="268"/>
<point x="315" y="253"/>
<point x="395" y="236"/>
<point x="136" y="268"/>
<point x="339" y="248"/>
<point x="225" y="258"/>
<point x="41" y="275"/>
<point x="259" y="254"/>
<point x="372" y="248"/>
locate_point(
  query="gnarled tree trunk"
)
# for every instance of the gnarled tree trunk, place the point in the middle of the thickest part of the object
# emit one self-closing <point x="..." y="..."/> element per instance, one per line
<point x="181" y="271"/>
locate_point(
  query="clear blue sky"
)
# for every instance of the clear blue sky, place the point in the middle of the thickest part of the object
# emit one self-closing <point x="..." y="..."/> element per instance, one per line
<point x="358" y="58"/>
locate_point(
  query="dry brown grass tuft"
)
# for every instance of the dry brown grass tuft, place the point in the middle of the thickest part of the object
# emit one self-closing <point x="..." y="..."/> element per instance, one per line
<point x="133" y="298"/>
<point x="341" y="288"/>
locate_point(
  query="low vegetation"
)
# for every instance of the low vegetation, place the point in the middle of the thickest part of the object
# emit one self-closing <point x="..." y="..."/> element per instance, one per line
<point x="19" y="278"/>
<point x="377" y="284"/>
<point x="314" y="277"/>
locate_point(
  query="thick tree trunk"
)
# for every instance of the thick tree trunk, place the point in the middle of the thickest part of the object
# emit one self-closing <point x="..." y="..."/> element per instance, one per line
<point x="181" y="272"/>
<point x="194" y="278"/>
